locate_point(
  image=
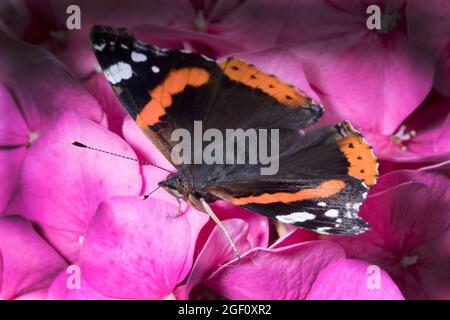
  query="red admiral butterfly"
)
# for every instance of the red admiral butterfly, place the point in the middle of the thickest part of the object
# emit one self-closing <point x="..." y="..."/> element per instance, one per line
<point x="324" y="175"/>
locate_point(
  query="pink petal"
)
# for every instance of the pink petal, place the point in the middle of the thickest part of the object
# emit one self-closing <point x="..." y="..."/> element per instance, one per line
<point x="60" y="291"/>
<point x="284" y="64"/>
<point x="258" y="234"/>
<point x="13" y="128"/>
<point x="15" y="15"/>
<point x="115" y="112"/>
<point x="10" y="165"/>
<point x="209" y="44"/>
<point x="61" y="185"/>
<point x="197" y="219"/>
<point x="243" y="24"/>
<point x="42" y="27"/>
<point x="36" y="88"/>
<point x="431" y="142"/>
<point x="357" y="71"/>
<point x="297" y="235"/>
<point x="35" y="295"/>
<point x="282" y="273"/>
<point x="27" y="262"/>
<point x="216" y="251"/>
<point x="42" y="90"/>
<point x="348" y="279"/>
<point x="152" y="176"/>
<point x="385" y="75"/>
<point x="135" y="249"/>
<point x="429" y="27"/>
<point x="425" y="175"/>
<point x="157" y="22"/>
<point x="410" y="231"/>
<point x="310" y="21"/>
<point x="143" y="146"/>
<point x="78" y="53"/>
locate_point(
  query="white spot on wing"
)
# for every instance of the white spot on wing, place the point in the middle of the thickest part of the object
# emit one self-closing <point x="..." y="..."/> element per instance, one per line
<point x="332" y="213"/>
<point x="99" y="47"/>
<point x="323" y="230"/>
<point x="138" y="57"/>
<point x="206" y="58"/>
<point x="118" y="72"/>
<point x="348" y="214"/>
<point x="296" y="217"/>
<point x="322" y="204"/>
<point x="155" y="69"/>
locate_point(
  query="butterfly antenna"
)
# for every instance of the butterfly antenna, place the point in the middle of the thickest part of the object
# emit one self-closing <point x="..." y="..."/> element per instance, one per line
<point x="145" y="196"/>
<point x="143" y="162"/>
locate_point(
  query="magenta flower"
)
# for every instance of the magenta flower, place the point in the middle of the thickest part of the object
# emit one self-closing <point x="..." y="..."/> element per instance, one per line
<point x="64" y="208"/>
<point x="348" y="279"/>
<point x="429" y="27"/>
<point x="144" y="254"/>
<point x="409" y="215"/>
<point x="28" y="264"/>
<point x="35" y="89"/>
<point x="428" y="142"/>
<point x="374" y="78"/>
<point x="167" y="25"/>
<point x="77" y="180"/>
<point x="134" y="249"/>
<point x="176" y="25"/>
<point x="308" y="270"/>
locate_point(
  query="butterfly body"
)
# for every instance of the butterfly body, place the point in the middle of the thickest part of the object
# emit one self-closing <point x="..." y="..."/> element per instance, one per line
<point x="322" y="177"/>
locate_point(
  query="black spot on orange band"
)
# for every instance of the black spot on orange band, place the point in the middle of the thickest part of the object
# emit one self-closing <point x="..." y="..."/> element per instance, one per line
<point x="242" y="72"/>
<point x="363" y="162"/>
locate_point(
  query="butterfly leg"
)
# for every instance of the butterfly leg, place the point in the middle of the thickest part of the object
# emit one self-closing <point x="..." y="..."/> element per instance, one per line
<point x="179" y="209"/>
<point x="221" y="226"/>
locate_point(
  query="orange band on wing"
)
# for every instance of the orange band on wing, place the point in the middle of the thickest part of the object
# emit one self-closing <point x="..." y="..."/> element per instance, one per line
<point x="324" y="190"/>
<point x="240" y="71"/>
<point x="363" y="163"/>
<point x="175" y="82"/>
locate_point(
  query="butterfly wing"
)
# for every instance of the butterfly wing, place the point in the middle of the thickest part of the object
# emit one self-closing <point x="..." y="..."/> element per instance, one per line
<point x="164" y="90"/>
<point x="320" y="186"/>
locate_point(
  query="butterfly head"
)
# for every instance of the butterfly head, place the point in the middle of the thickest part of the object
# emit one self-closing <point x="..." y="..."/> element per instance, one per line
<point x="178" y="185"/>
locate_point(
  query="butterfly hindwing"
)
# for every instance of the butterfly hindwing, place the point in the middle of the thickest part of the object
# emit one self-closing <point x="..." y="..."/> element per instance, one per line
<point x="320" y="186"/>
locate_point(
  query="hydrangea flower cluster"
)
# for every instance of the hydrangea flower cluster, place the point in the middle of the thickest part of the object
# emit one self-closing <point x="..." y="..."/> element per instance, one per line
<point x="72" y="225"/>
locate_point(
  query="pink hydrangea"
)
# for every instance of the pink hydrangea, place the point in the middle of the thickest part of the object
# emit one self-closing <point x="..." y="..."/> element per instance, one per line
<point x="35" y="88"/>
<point x="409" y="214"/>
<point x="72" y="225"/>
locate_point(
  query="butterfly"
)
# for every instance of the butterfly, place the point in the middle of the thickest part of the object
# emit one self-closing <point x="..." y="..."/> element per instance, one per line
<point x="323" y="175"/>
